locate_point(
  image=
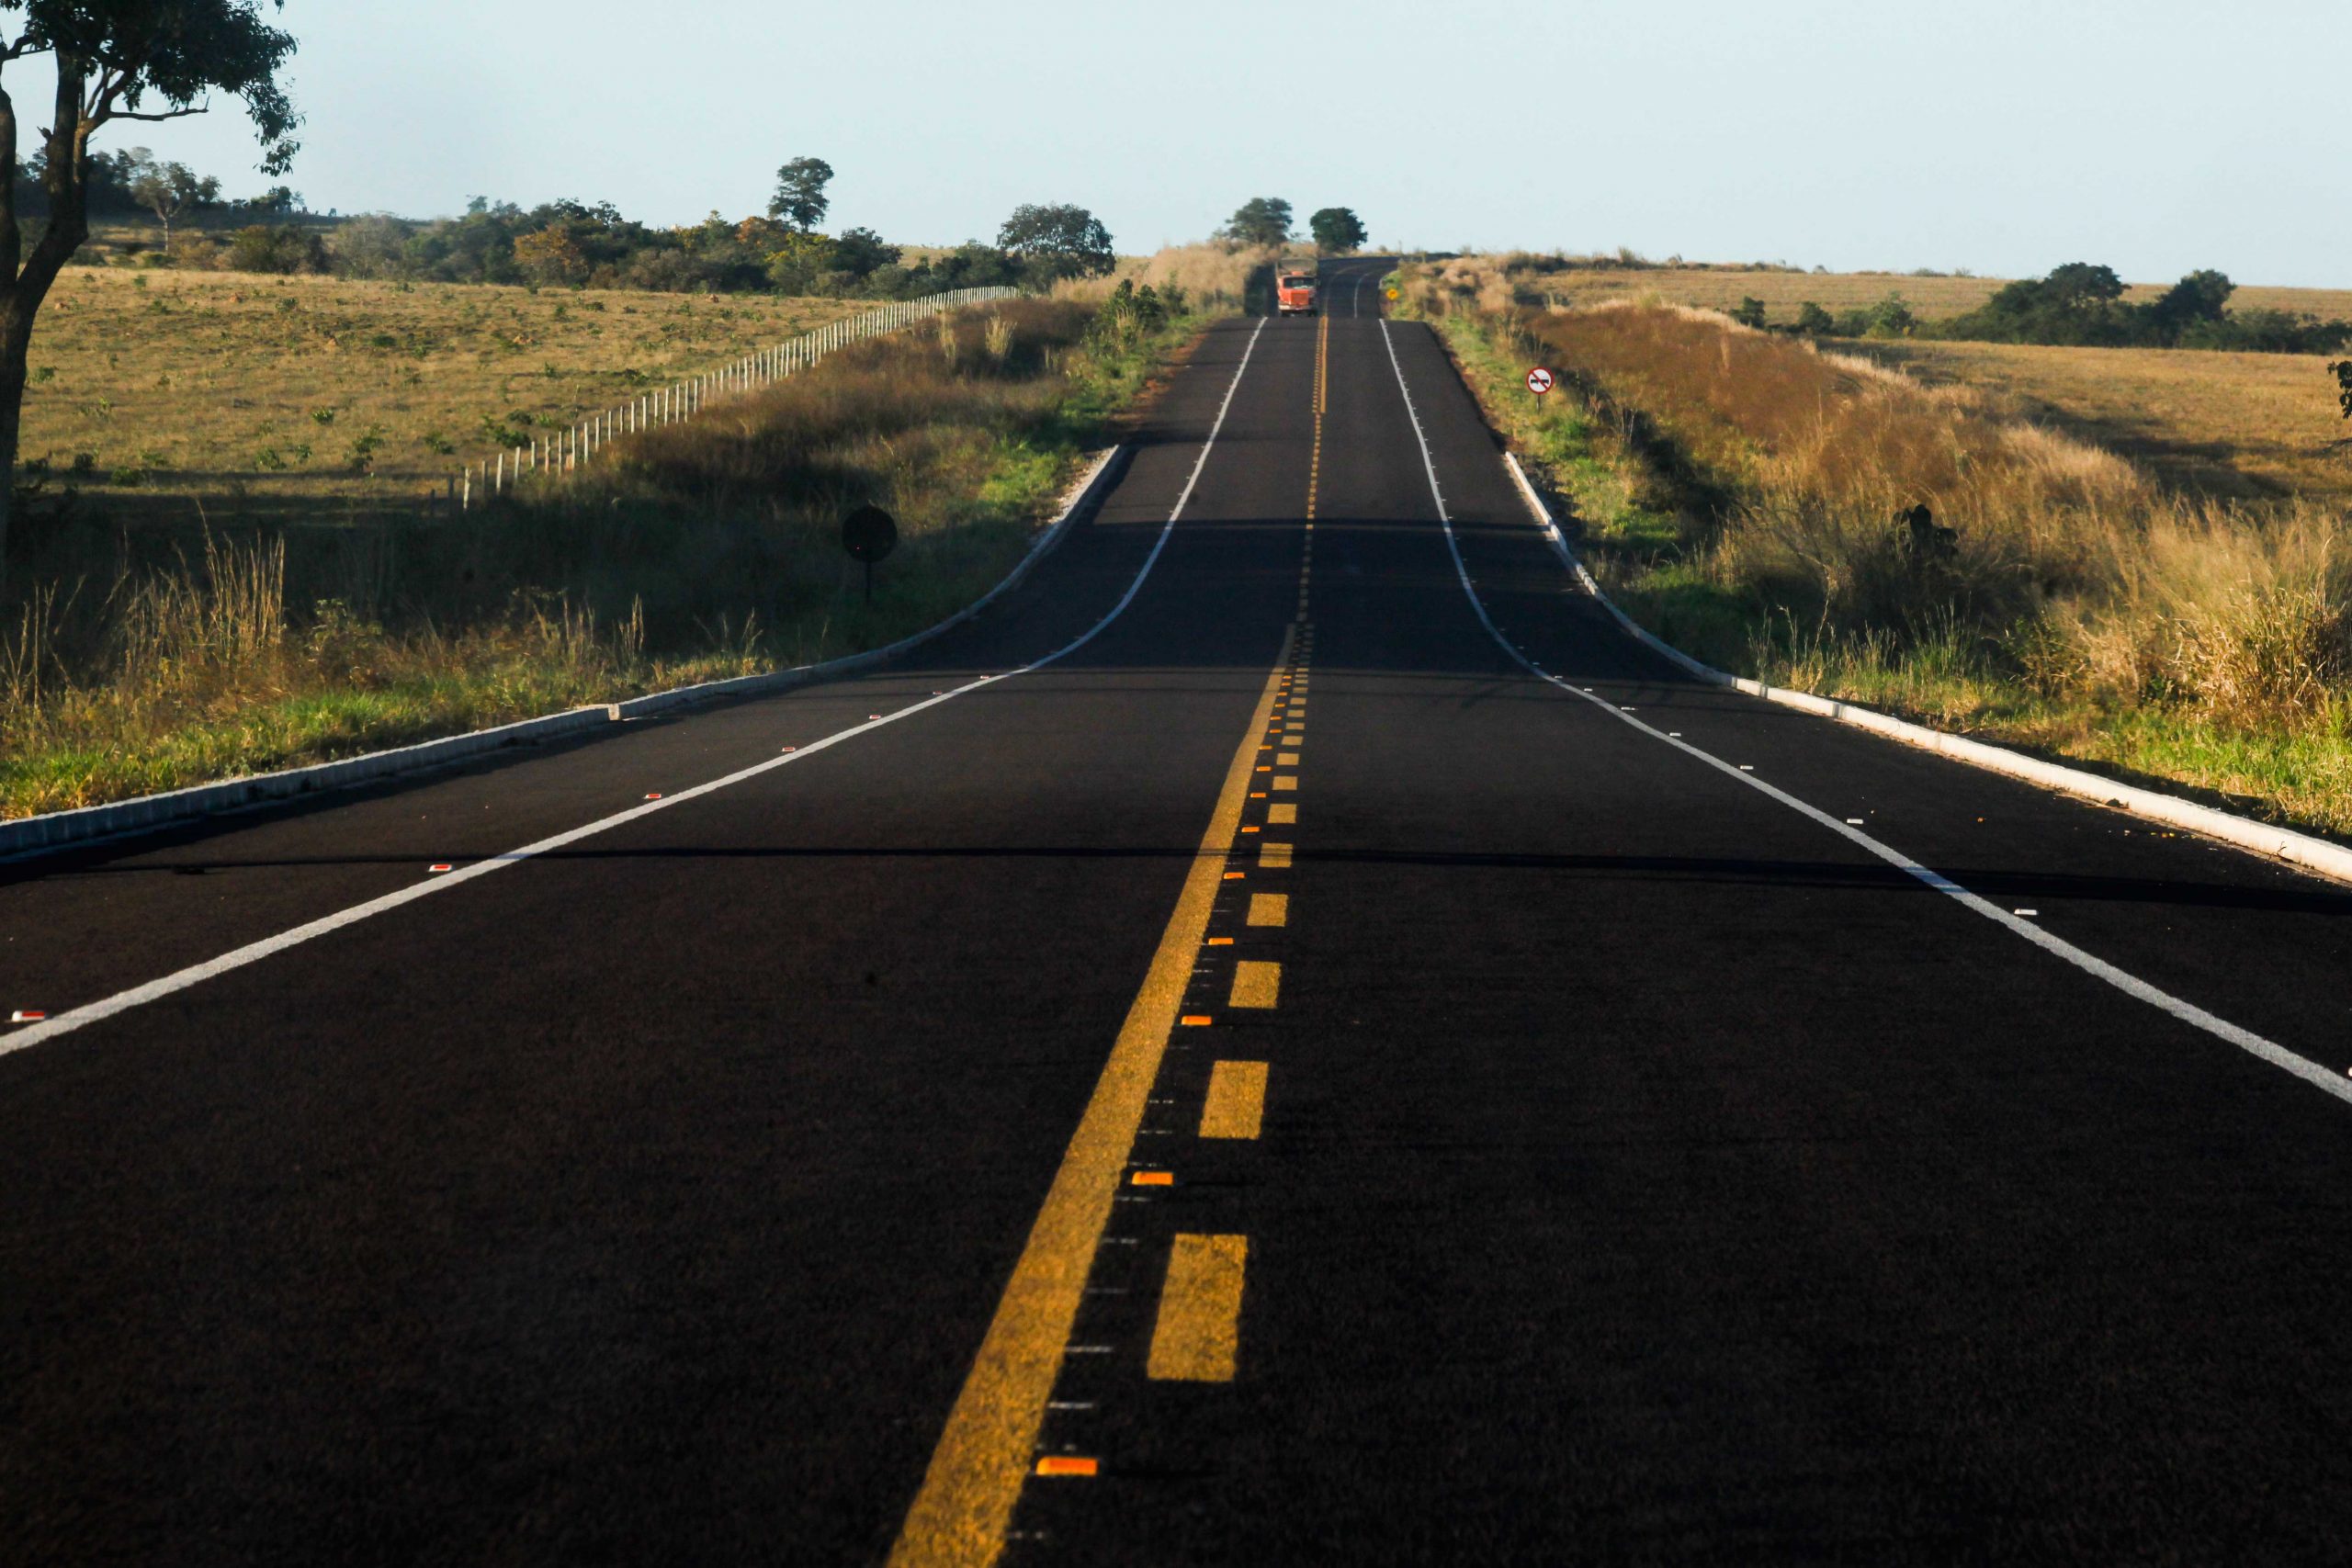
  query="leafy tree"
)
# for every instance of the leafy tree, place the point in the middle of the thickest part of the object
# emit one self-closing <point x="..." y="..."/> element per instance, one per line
<point x="265" y="247"/>
<point x="169" y="189"/>
<point x="861" y="253"/>
<point x="1337" y="229"/>
<point x="800" y="199"/>
<point x="1260" y="221"/>
<point x="1750" y="312"/>
<point x="2080" y="285"/>
<point x="2200" y="297"/>
<point x="1814" y="322"/>
<point x="550" y="255"/>
<point x="142" y="60"/>
<point x="2343" y="372"/>
<point x="1058" y="240"/>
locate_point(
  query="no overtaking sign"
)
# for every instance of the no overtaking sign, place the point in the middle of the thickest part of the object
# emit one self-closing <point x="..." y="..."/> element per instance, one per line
<point x="1539" y="380"/>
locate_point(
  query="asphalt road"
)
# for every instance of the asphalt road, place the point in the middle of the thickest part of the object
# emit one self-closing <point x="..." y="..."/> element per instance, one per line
<point x="1278" y="1080"/>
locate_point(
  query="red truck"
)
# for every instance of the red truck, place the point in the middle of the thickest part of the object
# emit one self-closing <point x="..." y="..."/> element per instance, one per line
<point x="1293" y="291"/>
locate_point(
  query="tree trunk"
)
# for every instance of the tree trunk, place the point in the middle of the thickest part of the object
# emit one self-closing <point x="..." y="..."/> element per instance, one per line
<point x="66" y="181"/>
<point x="15" y="342"/>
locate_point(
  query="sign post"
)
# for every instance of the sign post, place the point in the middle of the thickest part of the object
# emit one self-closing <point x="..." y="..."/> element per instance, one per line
<point x="869" y="534"/>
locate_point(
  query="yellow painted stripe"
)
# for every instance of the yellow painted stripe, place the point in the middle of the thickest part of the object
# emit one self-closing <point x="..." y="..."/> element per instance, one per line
<point x="1274" y="857"/>
<point x="1236" y="1107"/>
<point x="1278" y="815"/>
<point x="1198" y="1337"/>
<point x="976" y="1474"/>
<point x="1256" y="983"/>
<point x="1285" y="759"/>
<point x="1285" y="781"/>
<point x="1270" y="908"/>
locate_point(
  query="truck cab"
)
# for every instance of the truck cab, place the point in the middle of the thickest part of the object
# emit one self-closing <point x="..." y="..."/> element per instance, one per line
<point x="1294" y="293"/>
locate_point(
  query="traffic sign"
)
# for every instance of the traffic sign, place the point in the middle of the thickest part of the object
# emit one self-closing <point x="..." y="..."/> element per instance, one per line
<point x="1393" y="293"/>
<point x="869" y="534"/>
<point x="1539" y="380"/>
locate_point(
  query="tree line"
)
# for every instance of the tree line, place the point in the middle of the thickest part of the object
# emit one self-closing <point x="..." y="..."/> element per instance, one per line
<point x="2083" y="306"/>
<point x="1267" y="221"/>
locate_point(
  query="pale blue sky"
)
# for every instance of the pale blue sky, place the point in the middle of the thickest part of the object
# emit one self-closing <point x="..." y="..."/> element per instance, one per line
<point x="1999" y="135"/>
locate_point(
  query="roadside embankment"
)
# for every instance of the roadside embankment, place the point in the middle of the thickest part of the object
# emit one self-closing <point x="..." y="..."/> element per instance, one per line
<point x="1754" y="500"/>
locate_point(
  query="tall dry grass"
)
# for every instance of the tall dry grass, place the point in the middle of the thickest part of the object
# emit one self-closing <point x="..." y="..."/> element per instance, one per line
<point x="2069" y="569"/>
<point x="697" y="550"/>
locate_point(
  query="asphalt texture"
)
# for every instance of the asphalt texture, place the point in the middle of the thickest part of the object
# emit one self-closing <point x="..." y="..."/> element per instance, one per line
<point x="1646" y="1173"/>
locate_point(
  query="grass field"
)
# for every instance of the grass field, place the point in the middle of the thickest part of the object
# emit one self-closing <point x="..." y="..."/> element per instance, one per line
<point x="1742" y="494"/>
<point x="1782" y="292"/>
<point x="2247" y="427"/>
<point x="318" y="397"/>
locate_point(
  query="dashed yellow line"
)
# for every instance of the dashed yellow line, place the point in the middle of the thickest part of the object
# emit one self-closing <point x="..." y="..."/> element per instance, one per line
<point x="1274" y="857"/>
<point x="1236" y="1107"/>
<point x="988" y="1449"/>
<point x="1198" y="1337"/>
<point x="1279" y="816"/>
<point x="1256" y="983"/>
<point x="1270" y="908"/>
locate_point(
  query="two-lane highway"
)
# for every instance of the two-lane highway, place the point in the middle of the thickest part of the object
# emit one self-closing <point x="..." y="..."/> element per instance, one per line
<point x="1333" y="1053"/>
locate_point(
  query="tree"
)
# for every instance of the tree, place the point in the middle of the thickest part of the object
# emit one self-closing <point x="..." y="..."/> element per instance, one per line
<point x="862" y="253"/>
<point x="550" y="255"/>
<point x="1060" y="241"/>
<point x="1814" y="322"/>
<point x="1336" y="229"/>
<point x="1260" y="221"/>
<point x="1750" y="312"/>
<point x="136" y="60"/>
<point x="800" y="199"/>
<point x="169" y="189"/>
<point x="2343" y="372"/>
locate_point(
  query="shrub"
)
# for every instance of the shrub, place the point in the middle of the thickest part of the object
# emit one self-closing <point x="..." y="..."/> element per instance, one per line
<point x="273" y="248"/>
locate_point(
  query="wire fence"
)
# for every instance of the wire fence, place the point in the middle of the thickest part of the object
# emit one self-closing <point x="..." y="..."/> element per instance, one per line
<point x="565" y="451"/>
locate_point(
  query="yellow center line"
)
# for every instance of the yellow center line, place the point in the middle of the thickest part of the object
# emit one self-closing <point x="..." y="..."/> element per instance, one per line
<point x="988" y="1446"/>
<point x="1198" y="1337"/>
<point x="1270" y="908"/>
<point x="1236" y="1107"/>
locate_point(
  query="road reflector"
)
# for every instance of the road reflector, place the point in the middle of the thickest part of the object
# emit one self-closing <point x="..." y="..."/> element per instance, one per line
<point x="1256" y="983"/>
<point x="1220" y="941"/>
<point x="1250" y="830"/>
<point x="1195" y="1020"/>
<point x="1234" y="876"/>
<point x="437" y="869"/>
<point x="792" y="748"/>
<point x="1853" y="821"/>
<point x="2029" y="914"/>
<point x="653" y="795"/>
<point x="1197" y="1338"/>
<point x="27" y="1015"/>
<point x="871" y="715"/>
<point x="1236" y="1107"/>
<point x="1747" y="767"/>
<point x="1067" y="1464"/>
<point x="1152" y="1179"/>
<point x="1257" y="794"/>
<point x="1270" y="908"/>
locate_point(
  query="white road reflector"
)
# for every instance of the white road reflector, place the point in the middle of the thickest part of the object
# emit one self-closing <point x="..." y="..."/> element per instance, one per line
<point x="27" y="1015"/>
<point x="1853" y="822"/>
<point x="438" y="867"/>
<point x="2029" y="914"/>
<point x="1747" y="767"/>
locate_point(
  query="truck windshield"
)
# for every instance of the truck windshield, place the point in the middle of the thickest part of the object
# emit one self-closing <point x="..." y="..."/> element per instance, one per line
<point x="1298" y="283"/>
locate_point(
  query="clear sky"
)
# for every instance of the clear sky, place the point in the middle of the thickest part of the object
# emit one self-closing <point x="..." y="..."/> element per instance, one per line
<point x="2004" y="136"/>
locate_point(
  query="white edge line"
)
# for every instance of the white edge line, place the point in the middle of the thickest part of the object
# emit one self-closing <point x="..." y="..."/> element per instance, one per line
<point x="253" y="953"/>
<point x="2130" y="985"/>
<point x="30" y="837"/>
<point x="2302" y="850"/>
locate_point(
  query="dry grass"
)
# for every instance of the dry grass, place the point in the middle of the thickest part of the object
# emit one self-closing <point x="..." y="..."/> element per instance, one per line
<point x="163" y="385"/>
<point x="2243" y="426"/>
<point x="1532" y="282"/>
<point x="701" y="549"/>
<point x="2083" y="603"/>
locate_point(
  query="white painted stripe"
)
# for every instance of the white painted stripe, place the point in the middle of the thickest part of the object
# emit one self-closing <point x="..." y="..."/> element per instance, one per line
<point x="2130" y="985"/>
<point x="254" y="952"/>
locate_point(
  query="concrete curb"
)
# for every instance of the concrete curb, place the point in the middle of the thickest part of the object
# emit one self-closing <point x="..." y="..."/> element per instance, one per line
<point x="33" y="835"/>
<point x="2301" y="850"/>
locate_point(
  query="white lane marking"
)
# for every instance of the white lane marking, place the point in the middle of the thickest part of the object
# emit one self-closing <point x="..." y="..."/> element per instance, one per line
<point x="2130" y="985"/>
<point x="254" y="952"/>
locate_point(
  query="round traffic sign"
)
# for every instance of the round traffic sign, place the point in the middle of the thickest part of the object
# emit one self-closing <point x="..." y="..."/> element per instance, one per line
<point x="1539" y="380"/>
<point x="869" y="534"/>
<point x="1393" y="293"/>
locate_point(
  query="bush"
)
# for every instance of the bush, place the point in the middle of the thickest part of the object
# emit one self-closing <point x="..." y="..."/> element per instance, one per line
<point x="274" y="248"/>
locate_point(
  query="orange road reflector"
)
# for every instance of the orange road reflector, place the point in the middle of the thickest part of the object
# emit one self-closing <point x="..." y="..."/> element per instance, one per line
<point x="1220" y="941"/>
<point x="1068" y="1464"/>
<point x="1251" y="830"/>
<point x="1196" y="1020"/>
<point x="872" y="715"/>
<point x="792" y="748"/>
<point x="437" y="869"/>
<point x="1152" y="1179"/>
<point x="654" y="794"/>
<point x="27" y="1015"/>
<point x="1257" y="794"/>
<point x="1234" y="876"/>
